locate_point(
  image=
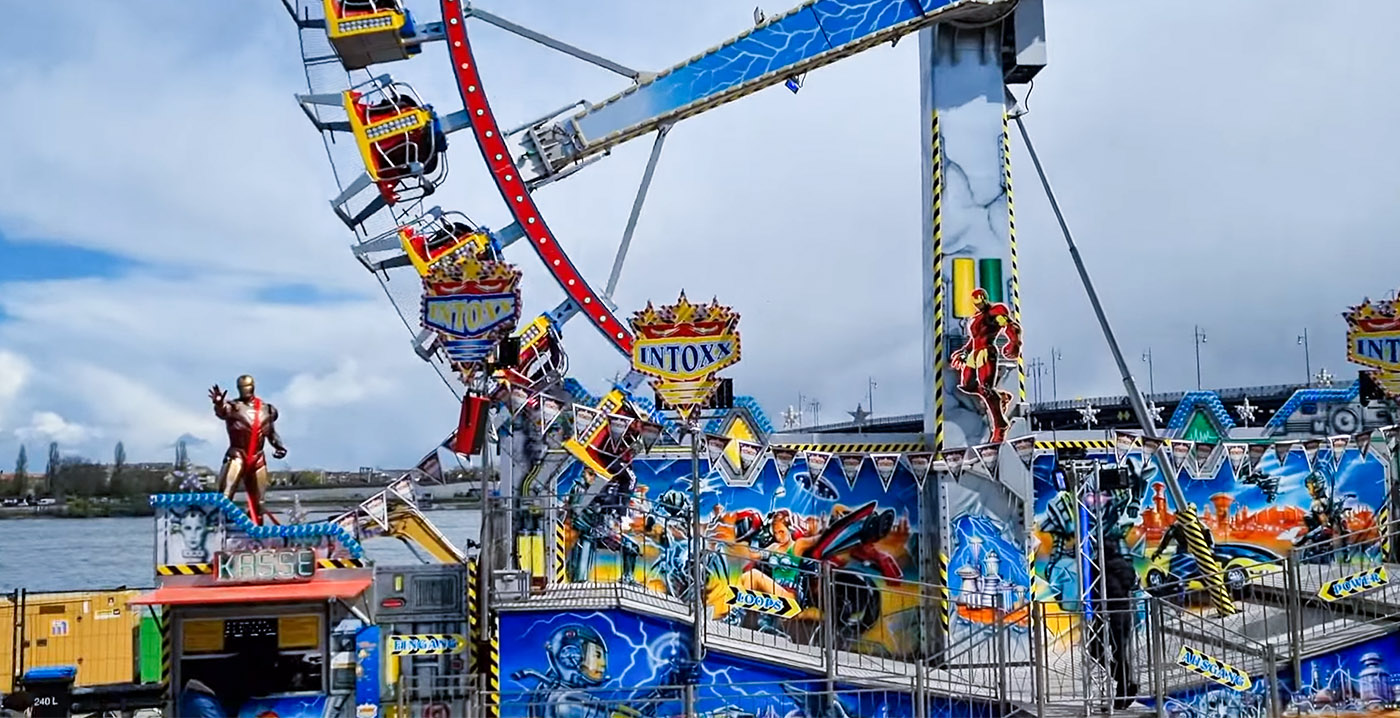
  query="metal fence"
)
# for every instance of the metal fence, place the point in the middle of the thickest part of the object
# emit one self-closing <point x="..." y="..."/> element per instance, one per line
<point x="96" y="632"/>
<point x="1158" y="648"/>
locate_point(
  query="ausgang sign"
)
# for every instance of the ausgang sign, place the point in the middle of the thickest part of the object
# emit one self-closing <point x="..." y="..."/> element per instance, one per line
<point x="682" y="346"/>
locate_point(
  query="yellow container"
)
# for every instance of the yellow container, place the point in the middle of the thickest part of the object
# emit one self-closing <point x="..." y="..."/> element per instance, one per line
<point x="94" y="631"/>
<point x="964" y="281"/>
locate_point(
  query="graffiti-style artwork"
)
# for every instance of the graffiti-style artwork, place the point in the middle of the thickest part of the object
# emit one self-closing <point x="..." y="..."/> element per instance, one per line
<point x="987" y="574"/>
<point x="766" y="538"/>
<point x="988" y="577"/>
<point x="1361" y="680"/>
<point x="1324" y="506"/>
<point x="987" y="364"/>
<point x="603" y="663"/>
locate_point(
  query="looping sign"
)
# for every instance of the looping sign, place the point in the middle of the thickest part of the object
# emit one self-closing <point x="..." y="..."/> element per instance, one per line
<point x="682" y="346"/>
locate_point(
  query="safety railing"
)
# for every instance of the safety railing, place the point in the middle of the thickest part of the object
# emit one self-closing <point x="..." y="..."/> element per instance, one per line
<point x="440" y="695"/>
<point x="858" y="621"/>
<point x="717" y="697"/>
<point x="1339" y="589"/>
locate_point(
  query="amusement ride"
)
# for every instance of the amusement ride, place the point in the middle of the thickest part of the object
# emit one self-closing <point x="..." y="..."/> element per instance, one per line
<point x="662" y="549"/>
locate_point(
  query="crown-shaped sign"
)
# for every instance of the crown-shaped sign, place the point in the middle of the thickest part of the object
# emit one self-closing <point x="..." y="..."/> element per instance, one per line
<point x="684" y="319"/>
<point x="1369" y="316"/>
<point x="471" y="303"/>
<point x="682" y="346"/>
<point x="470" y="275"/>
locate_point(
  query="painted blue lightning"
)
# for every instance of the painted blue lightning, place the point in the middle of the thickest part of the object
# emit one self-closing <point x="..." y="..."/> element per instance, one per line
<point x="814" y="34"/>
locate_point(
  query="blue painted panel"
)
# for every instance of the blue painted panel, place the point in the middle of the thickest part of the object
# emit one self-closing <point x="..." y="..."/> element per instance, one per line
<point x="774" y="48"/>
<point x="595" y="663"/>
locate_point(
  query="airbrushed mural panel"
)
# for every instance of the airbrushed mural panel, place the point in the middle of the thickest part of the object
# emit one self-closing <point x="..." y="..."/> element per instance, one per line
<point x="1327" y="504"/>
<point x="769" y="538"/>
<point x="1361" y="680"/>
<point x="594" y="663"/>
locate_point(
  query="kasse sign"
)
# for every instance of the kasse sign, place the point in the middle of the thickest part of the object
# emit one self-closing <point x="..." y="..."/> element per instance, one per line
<point x="684" y="358"/>
<point x="468" y="315"/>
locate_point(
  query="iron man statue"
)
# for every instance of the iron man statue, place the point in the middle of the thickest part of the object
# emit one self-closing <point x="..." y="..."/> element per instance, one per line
<point x="977" y="359"/>
<point x="250" y="421"/>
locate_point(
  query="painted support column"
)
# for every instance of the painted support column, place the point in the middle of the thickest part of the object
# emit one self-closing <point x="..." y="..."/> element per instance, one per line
<point x="974" y="386"/>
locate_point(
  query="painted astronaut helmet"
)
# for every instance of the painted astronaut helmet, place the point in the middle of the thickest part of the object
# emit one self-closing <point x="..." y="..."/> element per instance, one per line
<point x="578" y="655"/>
<point x="674" y="503"/>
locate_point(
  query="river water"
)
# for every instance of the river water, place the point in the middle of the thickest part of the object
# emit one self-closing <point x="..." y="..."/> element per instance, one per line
<point x="47" y="554"/>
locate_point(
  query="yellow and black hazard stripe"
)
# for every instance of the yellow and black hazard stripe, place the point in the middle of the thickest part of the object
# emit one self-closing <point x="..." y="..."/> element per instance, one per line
<point x="184" y="569"/>
<point x="493" y="689"/>
<point x="341" y="563"/>
<point x="944" y="615"/>
<point x="162" y="618"/>
<point x="858" y="448"/>
<point x="1011" y="235"/>
<point x="558" y="554"/>
<point x="1384" y="518"/>
<point x="939" y="331"/>
<point x="473" y="634"/>
<point x="1205" y="557"/>
<point x="1075" y="444"/>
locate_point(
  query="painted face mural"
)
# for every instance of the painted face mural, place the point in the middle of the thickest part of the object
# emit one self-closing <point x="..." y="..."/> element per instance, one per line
<point x="599" y="664"/>
<point x="761" y="571"/>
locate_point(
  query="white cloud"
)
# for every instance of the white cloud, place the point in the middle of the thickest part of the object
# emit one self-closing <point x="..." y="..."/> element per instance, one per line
<point x="190" y="156"/>
<point x="48" y="426"/>
<point x="344" y="385"/>
<point x="152" y="347"/>
<point x="14" y="373"/>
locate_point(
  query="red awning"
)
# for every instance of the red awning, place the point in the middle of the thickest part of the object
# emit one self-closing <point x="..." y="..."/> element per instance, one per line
<point x="264" y="593"/>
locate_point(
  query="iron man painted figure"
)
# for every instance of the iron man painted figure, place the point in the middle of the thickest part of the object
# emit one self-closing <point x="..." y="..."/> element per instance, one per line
<point x="250" y="421"/>
<point x="976" y="360"/>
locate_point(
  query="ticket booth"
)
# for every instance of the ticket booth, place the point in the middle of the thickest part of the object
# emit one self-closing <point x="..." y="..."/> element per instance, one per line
<point x="260" y="649"/>
<point x="256" y="614"/>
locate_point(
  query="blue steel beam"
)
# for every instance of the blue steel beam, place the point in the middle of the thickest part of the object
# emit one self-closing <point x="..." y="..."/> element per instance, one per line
<point x="814" y="34"/>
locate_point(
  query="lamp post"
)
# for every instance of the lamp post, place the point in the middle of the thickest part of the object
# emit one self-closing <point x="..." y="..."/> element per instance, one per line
<point x="1055" y="357"/>
<point x="1151" y="381"/>
<point x="1200" y="338"/>
<point x="1307" y="359"/>
<point x="1036" y="365"/>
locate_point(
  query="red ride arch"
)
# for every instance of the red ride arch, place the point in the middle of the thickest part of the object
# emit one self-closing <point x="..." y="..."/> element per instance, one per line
<point x="512" y="187"/>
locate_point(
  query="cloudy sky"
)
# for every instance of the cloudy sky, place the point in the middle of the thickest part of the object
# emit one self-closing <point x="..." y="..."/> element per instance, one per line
<point x="164" y="226"/>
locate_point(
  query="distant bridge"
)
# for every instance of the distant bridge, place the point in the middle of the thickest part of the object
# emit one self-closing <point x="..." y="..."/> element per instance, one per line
<point x="1114" y="412"/>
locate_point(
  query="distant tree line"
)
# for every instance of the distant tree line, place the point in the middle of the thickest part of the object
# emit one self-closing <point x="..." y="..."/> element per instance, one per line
<point x="77" y="476"/>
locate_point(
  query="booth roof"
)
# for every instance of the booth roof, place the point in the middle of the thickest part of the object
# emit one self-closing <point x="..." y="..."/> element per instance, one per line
<point x="256" y="593"/>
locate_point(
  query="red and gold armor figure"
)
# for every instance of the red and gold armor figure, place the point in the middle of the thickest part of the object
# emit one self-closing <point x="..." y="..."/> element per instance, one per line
<point x="250" y="421"/>
<point x="976" y="360"/>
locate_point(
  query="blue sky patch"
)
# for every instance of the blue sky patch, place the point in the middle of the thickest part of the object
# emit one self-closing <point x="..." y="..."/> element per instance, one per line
<point x="41" y="261"/>
<point x="297" y="293"/>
